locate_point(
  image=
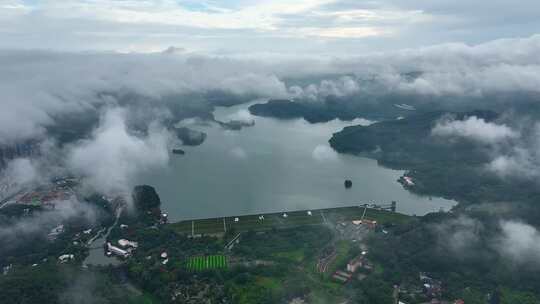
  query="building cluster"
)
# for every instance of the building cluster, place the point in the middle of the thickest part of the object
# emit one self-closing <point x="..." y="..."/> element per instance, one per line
<point x="430" y="287"/>
<point x="164" y="258"/>
<point x="164" y="218"/>
<point x="124" y="249"/>
<point x="353" y="266"/>
<point x="407" y="180"/>
<point x="198" y="292"/>
<point x="46" y="196"/>
<point x="327" y="257"/>
<point x="6" y="269"/>
<point x="370" y="224"/>
<point x="342" y="276"/>
<point x="355" y="230"/>
<point x="66" y="258"/>
<point x="55" y="232"/>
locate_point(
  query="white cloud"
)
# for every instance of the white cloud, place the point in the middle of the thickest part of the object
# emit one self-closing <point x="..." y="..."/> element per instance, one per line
<point x="303" y="26"/>
<point x="519" y="242"/>
<point x="37" y="87"/>
<point x="112" y="157"/>
<point x="474" y="128"/>
<point x="238" y="152"/>
<point x="242" y="115"/>
<point x="510" y="165"/>
<point x="459" y="235"/>
<point x="516" y="241"/>
<point x="521" y="160"/>
<point x="21" y="171"/>
<point x="344" y="86"/>
<point x="40" y="222"/>
<point x="324" y="153"/>
<point x="345" y="32"/>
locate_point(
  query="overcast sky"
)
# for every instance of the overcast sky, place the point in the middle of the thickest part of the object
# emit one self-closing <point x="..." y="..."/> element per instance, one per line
<point x="334" y="27"/>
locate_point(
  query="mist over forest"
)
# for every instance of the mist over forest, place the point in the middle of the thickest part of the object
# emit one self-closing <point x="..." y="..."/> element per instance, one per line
<point x="442" y="93"/>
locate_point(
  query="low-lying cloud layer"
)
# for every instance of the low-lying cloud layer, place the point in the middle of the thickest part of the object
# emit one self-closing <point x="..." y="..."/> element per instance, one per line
<point x="21" y="171"/>
<point x="514" y="241"/>
<point x="40" y="223"/>
<point x="519" y="242"/>
<point x="323" y="153"/>
<point x="38" y="87"/>
<point x="513" y="142"/>
<point x="112" y="156"/>
<point x="458" y="235"/>
<point x="344" y="86"/>
<point x="107" y="160"/>
<point x="523" y="159"/>
<point x="43" y="89"/>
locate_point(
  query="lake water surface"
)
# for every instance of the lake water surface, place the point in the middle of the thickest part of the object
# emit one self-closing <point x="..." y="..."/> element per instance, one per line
<point x="276" y="165"/>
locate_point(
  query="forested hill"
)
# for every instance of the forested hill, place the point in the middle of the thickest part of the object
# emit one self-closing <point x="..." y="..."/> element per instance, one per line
<point x="331" y="108"/>
<point x="404" y="142"/>
<point x="448" y="167"/>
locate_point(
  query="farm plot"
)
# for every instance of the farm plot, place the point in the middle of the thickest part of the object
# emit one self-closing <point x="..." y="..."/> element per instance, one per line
<point x="201" y="263"/>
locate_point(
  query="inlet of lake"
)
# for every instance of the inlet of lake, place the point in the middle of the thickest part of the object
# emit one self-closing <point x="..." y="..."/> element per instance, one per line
<point x="275" y="165"/>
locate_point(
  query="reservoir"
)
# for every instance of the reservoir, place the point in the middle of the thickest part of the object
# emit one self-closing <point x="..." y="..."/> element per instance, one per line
<point x="275" y="165"/>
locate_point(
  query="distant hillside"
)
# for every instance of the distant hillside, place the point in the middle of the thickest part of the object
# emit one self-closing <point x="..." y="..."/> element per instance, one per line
<point x="329" y="109"/>
<point x="439" y="166"/>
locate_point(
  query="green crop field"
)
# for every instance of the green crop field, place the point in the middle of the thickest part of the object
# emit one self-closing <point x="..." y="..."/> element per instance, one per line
<point x="200" y="263"/>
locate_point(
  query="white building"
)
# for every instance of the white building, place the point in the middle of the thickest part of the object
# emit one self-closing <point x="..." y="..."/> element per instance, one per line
<point x="66" y="257"/>
<point x="408" y="180"/>
<point x="53" y="234"/>
<point x="127" y="243"/>
<point x="117" y="251"/>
